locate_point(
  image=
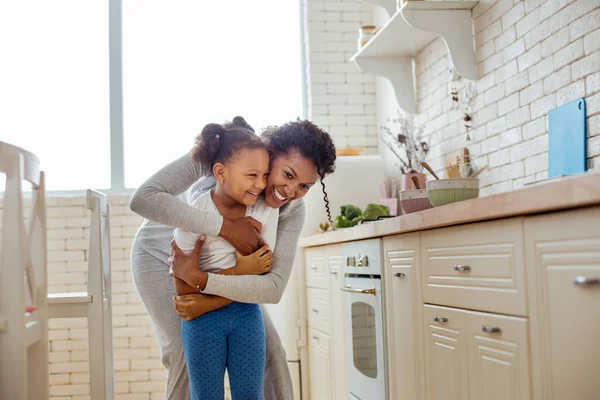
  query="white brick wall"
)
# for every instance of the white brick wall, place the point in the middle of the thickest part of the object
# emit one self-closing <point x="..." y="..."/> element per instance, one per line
<point x="341" y="98"/>
<point x="531" y="56"/>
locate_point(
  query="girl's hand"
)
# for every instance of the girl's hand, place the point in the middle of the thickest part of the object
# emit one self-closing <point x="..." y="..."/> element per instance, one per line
<point x="242" y="233"/>
<point x="191" y="306"/>
<point x="256" y="263"/>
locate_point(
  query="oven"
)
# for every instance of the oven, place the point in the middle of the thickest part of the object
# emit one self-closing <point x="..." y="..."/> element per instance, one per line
<point x="364" y="325"/>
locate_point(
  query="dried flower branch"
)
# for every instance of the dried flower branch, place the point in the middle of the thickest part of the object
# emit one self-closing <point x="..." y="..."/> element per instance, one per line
<point x="405" y="141"/>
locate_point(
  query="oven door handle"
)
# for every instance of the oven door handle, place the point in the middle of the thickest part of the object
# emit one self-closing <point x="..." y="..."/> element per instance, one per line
<point x="372" y="291"/>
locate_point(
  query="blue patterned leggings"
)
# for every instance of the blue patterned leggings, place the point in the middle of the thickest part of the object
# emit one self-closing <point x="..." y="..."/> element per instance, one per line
<point x="232" y="337"/>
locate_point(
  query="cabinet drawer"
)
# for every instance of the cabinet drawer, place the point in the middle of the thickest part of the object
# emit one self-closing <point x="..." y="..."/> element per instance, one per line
<point x="316" y="268"/>
<point x="478" y="266"/>
<point x="318" y="309"/>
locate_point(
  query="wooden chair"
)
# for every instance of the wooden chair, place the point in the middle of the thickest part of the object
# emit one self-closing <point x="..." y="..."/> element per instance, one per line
<point x="95" y="304"/>
<point x="23" y="281"/>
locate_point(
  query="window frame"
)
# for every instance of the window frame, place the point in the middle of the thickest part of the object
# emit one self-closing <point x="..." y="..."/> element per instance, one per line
<point x="117" y="134"/>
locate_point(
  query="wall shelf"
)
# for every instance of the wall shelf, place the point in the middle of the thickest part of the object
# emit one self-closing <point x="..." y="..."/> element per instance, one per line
<point x="390" y="52"/>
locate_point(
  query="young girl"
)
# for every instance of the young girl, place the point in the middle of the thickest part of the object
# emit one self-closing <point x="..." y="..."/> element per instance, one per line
<point x="232" y="337"/>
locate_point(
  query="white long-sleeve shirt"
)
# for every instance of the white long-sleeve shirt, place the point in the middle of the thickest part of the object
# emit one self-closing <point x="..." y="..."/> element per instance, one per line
<point x="217" y="254"/>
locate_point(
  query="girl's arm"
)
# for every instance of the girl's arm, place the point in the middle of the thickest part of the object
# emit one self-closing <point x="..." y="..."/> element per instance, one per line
<point x="156" y="198"/>
<point x="267" y="288"/>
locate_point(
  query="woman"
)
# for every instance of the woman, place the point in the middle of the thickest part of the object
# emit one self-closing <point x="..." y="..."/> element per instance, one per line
<point x="301" y="154"/>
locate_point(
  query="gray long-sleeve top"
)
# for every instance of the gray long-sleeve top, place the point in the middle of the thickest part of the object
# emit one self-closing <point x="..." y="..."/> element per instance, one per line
<point x="163" y="201"/>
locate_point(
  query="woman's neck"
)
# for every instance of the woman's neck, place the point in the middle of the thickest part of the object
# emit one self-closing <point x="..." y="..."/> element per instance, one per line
<point x="228" y="207"/>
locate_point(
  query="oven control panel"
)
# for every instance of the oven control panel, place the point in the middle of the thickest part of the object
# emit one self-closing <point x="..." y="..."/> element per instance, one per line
<point x="363" y="257"/>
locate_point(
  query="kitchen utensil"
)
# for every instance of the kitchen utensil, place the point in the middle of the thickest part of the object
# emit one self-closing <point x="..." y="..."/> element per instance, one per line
<point x="445" y="191"/>
<point x="415" y="181"/>
<point x="428" y="168"/>
<point x="567" y="139"/>
<point x="391" y="203"/>
<point x="453" y="172"/>
<point x="414" y="200"/>
<point x="474" y="174"/>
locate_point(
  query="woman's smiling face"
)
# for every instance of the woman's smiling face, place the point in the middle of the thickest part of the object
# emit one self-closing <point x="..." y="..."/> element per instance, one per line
<point x="291" y="176"/>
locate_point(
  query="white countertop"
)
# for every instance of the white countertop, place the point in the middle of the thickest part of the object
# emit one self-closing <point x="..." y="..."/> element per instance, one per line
<point x="559" y="194"/>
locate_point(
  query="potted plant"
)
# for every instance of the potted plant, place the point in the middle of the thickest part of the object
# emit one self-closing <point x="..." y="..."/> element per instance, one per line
<point x="405" y="140"/>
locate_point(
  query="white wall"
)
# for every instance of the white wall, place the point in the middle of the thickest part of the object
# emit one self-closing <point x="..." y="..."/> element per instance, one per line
<point x="341" y="98"/>
<point x="531" y="56"/>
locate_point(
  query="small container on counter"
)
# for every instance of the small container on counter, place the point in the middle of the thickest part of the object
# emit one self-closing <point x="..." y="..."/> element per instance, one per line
<point x="365" y="33"/>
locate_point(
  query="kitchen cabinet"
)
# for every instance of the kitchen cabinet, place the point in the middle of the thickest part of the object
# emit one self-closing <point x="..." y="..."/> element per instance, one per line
<point x="563" y="259"/>
<point x="325" y="319"/>
<point x="446" y="374"/>
<point x="501" y="302"/>
<point x="403" y="313"/>
<point x="319" y="365"/>
<point x="475" y="356"/>
<point x="337" y="342"/>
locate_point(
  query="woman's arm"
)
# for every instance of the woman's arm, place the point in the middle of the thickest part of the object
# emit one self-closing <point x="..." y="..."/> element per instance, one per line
<point x="156" y="198"/>
<point x="267" y="288"/>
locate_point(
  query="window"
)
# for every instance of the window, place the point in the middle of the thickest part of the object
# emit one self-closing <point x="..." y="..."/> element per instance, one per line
<point x="189" y="63"/>
<point x="184" y="63"/>
<point x="54" y="88"/>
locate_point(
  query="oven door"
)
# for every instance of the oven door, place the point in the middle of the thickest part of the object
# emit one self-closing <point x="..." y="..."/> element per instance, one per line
<point x="364" y="328"/>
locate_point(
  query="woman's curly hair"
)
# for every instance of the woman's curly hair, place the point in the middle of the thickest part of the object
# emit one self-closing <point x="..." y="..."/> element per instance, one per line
<point x="310" y="141"/>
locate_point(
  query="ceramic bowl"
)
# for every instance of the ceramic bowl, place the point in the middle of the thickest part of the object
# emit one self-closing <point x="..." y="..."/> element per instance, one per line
<point x="414" y="200"/>
<point x="446" y="191"/>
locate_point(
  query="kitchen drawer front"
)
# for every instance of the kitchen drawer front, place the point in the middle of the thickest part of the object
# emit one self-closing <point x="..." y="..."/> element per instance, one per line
<point x="498" y="349"/>
<point x="316" y="268"/>
<point x="477" y="266"/>
<point x="317" y="308"/>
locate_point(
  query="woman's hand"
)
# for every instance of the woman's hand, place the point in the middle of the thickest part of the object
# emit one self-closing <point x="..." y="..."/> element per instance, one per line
<point x="243" y="234"/>
<point x="192" y="306"/>
<point x="186" y="266"/>
<point x="256" y="263"/>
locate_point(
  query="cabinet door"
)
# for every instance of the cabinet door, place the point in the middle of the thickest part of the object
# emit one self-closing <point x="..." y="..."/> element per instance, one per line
<point x="563" y="257"/>
<point x="498" y="357"/>
<point x="446" y="371"/>
<point x="318" y="356"/>
<point x="337" y="343"/>
<point x="403" y="311"/>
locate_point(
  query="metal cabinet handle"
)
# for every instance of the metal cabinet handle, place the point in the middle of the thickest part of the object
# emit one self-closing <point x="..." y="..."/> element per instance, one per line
<point x="313" y="267"/>
<point x="315" y="310"/>
<point x="333" y="272"/>
<point x="363" y="261"/>
<point x="348" y="289"/>
<point x="440" y="319"/>
<point x="490" y="329"/>
<point x="583" y="281"/>
<point x="462" y="268"/>
<point x="315" y="337"/>
<point x="350" y="261"/>
<point x="399" y="274"/>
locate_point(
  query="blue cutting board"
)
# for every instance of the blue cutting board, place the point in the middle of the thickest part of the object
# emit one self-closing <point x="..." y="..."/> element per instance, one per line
<point x="566" y="139"/>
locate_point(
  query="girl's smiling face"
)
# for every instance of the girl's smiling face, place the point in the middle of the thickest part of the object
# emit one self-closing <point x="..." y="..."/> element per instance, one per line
<point x="245" y="176"/>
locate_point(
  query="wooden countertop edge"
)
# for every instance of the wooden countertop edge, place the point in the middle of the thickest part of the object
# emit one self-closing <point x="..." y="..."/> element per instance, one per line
<point x="561" y="194"/>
